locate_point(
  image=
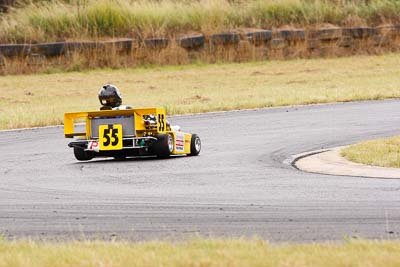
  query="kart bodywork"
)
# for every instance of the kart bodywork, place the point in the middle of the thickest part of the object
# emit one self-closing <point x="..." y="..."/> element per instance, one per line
<point x="125" y="133"/>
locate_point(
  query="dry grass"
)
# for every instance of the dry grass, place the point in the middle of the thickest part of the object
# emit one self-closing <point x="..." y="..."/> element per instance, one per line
<point x="113" y="57"/>
<point x="36" y="100"/>
<point x="60" y="19"/>
<point x="381" y="152"/>
<point x="205" y="253"/>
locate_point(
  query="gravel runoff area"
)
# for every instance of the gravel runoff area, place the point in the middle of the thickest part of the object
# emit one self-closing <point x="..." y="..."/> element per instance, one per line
<point x="331" y="162"/>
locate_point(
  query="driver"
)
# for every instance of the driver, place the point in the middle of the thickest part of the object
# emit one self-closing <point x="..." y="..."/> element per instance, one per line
<point x="110" y="98"/>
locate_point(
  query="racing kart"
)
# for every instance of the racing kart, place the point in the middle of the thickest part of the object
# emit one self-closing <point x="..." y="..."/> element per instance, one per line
<point x="127" y="133"/>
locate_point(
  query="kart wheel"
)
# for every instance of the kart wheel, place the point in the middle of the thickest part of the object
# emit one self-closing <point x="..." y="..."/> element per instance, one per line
<point x="164" y="146"/>
<point x="195" y="145"/>
<point x="82" y="155"/>
<point x="120" y="157"/>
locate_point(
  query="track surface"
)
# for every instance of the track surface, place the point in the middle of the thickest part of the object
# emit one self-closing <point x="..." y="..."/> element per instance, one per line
<point x="238" y="186"/>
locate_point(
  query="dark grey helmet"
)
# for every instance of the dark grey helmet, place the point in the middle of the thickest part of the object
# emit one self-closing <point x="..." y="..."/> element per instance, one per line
<point x="110" y="96"/>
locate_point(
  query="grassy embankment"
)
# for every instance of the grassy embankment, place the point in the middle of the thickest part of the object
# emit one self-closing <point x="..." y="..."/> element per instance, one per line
<point x="87" y="19"/>
<point x="37" y="100"/>
<point x="380" y="152"/>
<point x="199" y="253"/>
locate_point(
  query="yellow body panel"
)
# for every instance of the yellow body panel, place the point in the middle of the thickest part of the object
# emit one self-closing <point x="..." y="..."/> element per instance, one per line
<point x="71" y="118"/>
<point x="188" y="139"/>
<point x="181" y="142"/>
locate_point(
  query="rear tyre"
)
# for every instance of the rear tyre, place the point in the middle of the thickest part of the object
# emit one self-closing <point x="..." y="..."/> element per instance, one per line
<point x="82" y="155"/>
<point x="195" y="145"/>
<point x="120" y="157"/>
<point x="164" y="146"/>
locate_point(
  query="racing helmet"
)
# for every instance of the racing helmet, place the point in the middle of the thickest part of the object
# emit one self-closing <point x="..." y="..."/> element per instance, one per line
<point x="110" y="96"/>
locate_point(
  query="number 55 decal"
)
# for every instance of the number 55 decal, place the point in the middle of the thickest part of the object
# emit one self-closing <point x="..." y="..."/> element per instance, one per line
<point x="161" y="123"/>
<point x="110" y="137"/>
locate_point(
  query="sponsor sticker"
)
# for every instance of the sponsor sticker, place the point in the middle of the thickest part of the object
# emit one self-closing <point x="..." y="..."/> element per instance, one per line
<point x="94" y="146"/>
<point x="180" y="142"/>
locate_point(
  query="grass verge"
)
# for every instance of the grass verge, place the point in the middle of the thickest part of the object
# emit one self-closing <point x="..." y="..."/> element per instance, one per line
<point x="381" y="152"/>
<point x="38" y="100"/>
<point x="199" y="253"/>
<point x="63" y="19"/>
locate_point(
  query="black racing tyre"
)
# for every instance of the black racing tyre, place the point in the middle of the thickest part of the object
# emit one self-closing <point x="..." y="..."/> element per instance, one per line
<point x="120" y="157"/>
<point x="225" y="38"/>
<point x="49" y="49"/>
<point x="82" y="155"/>
<point x="156" y="42"/>
<point x="191" y="42"/>
<point x="195" y="145"/>
<point x="164" y="145"/>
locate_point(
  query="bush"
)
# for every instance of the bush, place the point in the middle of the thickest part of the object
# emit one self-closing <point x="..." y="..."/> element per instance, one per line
<point x="46" y="20"/>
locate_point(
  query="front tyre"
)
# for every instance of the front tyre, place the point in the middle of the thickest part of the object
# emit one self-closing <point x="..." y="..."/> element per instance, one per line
<point x="195" y="145"/>
<point x="164" y="146"/>
<point x="82" y="155"/>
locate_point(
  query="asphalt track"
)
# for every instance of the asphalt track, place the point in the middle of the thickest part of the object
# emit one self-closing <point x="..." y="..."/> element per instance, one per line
<point x="237" y="187"/>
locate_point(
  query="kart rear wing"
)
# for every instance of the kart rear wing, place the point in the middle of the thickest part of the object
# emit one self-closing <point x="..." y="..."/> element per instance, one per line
<point x="70" y="119"/>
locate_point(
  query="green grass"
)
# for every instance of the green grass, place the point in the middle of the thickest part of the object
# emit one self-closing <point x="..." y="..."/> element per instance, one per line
<point x="381" y="152"/>
<point x="38" y="100"/>
<point x="204" y="253"/>
<point x="59" y="20"/>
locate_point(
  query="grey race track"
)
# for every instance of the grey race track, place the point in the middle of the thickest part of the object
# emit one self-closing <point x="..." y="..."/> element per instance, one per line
<point x="237" y="187"/>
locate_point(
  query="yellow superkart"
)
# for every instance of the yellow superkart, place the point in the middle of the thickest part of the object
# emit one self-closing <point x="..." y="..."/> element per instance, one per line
<point x="127" y="133"/>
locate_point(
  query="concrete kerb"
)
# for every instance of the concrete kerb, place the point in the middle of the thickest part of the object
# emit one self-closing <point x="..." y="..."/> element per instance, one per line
<point x="330" y="162"/>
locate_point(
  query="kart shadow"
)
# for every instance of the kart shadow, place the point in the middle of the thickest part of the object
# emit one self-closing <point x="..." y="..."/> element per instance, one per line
<point x="129" y="159"/>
